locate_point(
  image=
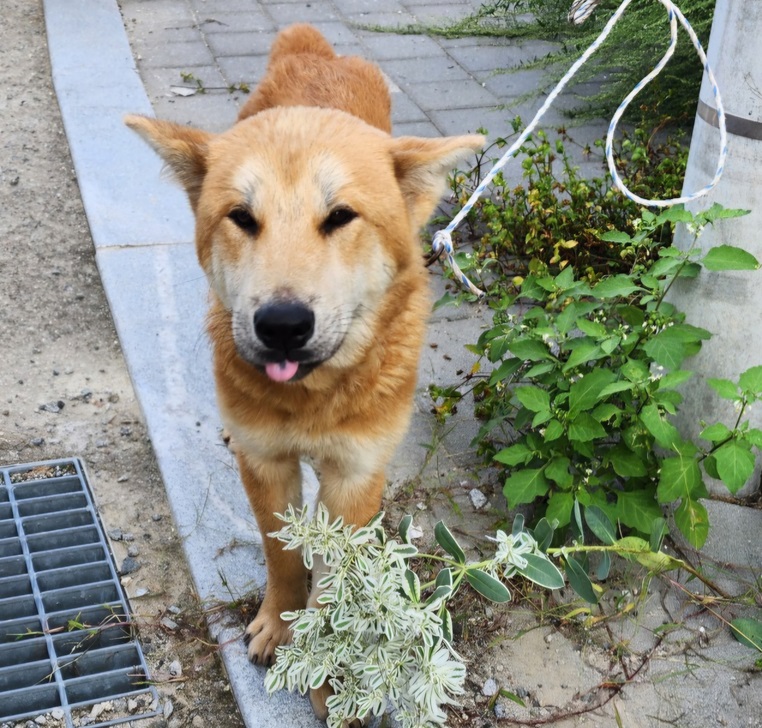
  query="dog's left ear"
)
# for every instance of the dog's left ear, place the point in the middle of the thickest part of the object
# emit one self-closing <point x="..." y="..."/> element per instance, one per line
<point x="184" y="149"/>
<point x="422" y="166"/>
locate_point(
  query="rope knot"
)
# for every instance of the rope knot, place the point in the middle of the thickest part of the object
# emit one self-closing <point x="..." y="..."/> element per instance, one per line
<point x="442" y="243"/>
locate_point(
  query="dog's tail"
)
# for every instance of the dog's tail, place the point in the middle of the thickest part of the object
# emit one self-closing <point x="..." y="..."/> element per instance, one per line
<point x="300" y="38"/>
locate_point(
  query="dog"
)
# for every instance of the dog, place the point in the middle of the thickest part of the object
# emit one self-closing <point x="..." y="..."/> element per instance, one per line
<point x="307" y="220"/>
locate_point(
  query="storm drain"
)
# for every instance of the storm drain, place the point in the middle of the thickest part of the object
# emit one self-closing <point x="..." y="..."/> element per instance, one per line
<point x="68" y="650"/>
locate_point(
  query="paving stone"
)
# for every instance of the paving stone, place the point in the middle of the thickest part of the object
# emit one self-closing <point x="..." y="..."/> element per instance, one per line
<point x="239" y="44"/>
<point x="248" y="69"/>
<point x="158" y="52"/>
<point x="159" y="14"/>
<point x="435" y="68"/>
<point x="316" y="10"/>
<point x="224" y="22"/>
<point x="441" y="13"/>
<point x="416" y="128"/>
<point x="388" y="46"/>
<point x="404" y="110"/>
<point x="495" y="57"/>
<point x="450" y="95"/>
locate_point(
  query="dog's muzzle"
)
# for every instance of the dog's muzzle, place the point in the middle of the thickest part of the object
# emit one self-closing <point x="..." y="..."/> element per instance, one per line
<point x="285" y="329"/>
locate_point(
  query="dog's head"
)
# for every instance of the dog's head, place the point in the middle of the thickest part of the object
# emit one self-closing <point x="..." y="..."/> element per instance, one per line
<point x="306" y="219"/>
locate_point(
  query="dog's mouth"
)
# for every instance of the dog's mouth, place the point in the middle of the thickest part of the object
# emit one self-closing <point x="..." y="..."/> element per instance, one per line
<point x="287" y="370"/>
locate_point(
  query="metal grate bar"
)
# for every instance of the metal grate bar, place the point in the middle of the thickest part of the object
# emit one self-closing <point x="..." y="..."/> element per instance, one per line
<point x="66" y="640"/>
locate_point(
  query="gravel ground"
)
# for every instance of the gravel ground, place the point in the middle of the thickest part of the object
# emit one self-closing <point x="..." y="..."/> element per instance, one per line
<point x="64" y="387"/>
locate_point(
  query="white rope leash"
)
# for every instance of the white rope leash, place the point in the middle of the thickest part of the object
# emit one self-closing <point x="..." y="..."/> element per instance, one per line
<point x="442" y="240"/>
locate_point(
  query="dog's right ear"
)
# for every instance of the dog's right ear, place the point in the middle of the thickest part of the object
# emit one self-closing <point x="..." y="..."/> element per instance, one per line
<point x="183" y="148"/>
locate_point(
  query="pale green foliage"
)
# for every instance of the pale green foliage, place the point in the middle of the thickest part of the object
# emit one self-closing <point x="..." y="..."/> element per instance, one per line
<point x="381" y="639"/>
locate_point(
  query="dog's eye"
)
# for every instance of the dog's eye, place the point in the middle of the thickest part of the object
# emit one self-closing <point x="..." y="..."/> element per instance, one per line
<point x="337" y="218"/>
<point x="244" y="220"/>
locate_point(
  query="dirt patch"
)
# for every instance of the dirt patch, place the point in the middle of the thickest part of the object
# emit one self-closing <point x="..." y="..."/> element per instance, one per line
<point x="64" y="387"/>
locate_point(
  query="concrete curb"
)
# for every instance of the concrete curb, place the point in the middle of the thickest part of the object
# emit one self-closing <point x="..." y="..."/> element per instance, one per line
<point x="143" y="233"/>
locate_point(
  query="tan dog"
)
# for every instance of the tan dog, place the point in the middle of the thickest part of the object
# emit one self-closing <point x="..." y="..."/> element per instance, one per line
<point x="307" y="219"/>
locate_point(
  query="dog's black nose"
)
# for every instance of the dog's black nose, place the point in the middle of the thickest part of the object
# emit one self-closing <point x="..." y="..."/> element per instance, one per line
<point x="284" y="326"/>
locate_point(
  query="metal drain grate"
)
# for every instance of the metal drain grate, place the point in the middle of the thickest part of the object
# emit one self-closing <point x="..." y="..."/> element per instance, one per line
<point x="66" y="642"/>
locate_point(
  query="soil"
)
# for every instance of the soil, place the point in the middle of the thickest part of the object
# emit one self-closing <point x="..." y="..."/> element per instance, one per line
<point x="64" y="386"/>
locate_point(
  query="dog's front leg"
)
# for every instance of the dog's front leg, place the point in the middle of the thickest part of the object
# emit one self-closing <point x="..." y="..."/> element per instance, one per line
<point x="271" y="486"/>
<point x="357" y="499"/>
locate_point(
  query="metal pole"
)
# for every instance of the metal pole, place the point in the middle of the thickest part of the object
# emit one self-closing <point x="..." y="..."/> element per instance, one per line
<point x="728" y="304"/>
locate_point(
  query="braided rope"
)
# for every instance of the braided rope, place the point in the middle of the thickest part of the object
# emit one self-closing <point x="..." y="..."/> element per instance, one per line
<point x="442" y="241"/>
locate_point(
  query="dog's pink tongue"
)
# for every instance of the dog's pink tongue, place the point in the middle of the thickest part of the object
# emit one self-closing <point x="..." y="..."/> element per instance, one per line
<point x="281" y="371"/>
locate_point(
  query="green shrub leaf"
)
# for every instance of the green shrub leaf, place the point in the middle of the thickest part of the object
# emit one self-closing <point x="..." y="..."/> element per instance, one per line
<point x="617" y="286"/>
<point x="533" y="398"/>
<point x="447" y="541"/>
<point x="515" y="454"/>
<point x="524" y="486"/>
<point x="638" y="509"/>
<point x="585" y="428"/>
<point x="748" y="632"/>
<point x="542" y="571"/>
<point x="735" y="464"/>
<point x="680" y="478"/>
<point x="724" y="387"/>
<point x="560" y="506"/>
<point x="488" y="586"/>
<point x="580" y="581"/>
<point x="751" y="380"/>
<point x="529" y="349"/>
<point x="693" y="521"/>
<point x="664" y="432"/>
<point x="728" y="257"/>
<point x="600" y="524"/>
<point x="583" y="394"/>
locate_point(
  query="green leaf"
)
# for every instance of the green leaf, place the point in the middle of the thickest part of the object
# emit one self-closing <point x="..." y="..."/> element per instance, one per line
<point x="606" y="411"/>
<point x="625" y="462"/>
<point x="693" y="521"/>
<point x="638" y="509"/>
<point x="488" y="586"/>
<point x="515" y="454"/>
<point x="585" y="428"/>
<point x="506" y="370"/>
<point x="615" y="388"/>
<point x="677" y="213"/>
<point x="559" y="507"/>
<point x="680" y="478"/>
<point x="446" y="617"/>
<point x="583" y="352"/>
<point x="412" y="586"/>
<point x="674" y="379"/>
<point x="666" y="349"/>
<point x="754" y="437"/>
<point x="543" y="534"/>
<point x="600" y="524"/>
<point x="604" y="567"/>
<point x="583" y="394"/>
<point x="404" y="527"/>
<point x="718" y="212"/>
<point x="542" y="571"/>
<point x="591" y="328"/>
<point x="558" y="471"/>
<point x="579" y="580"/>
<point x="710" y="467"/>
<point x="715" y="433"/>
<point x="735" y="464"/>
<point x="748" y="632"/>
<point x="724" y="387"/>
<point x="615" y="287"/>
<point x="615" y="236"/>
<point x="447" y="541"/>
<point x="533" y="398"/>
<point x="664" y="432"/>
<point x="751" y="380"/>
<point x="529" y="349"/>
<point x="444" y="578"/>
<point x="553" y="430"/>
<point x="728" y="257"/>
<point x="524" y="486"/>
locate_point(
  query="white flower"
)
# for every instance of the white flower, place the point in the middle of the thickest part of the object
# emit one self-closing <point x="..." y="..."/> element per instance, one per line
<point x="511" y="549"/>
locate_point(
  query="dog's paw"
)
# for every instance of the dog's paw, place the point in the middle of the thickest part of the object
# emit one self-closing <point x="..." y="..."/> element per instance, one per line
<point x="318" y="699"/>
<point x="264" y="634"/>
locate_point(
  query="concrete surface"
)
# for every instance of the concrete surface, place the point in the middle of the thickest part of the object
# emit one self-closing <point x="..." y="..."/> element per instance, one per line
<point x="142" y="229"/>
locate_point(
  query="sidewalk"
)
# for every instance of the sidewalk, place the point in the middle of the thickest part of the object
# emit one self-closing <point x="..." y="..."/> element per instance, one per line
<point x="143" y="233"/>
